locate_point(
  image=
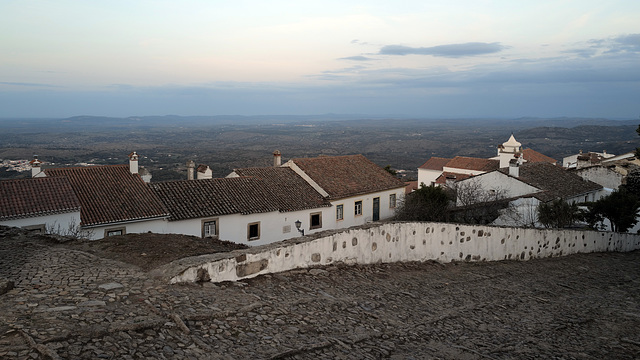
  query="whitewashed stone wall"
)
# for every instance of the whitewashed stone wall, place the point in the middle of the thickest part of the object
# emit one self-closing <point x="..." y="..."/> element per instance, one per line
<point x="398" y="242"/>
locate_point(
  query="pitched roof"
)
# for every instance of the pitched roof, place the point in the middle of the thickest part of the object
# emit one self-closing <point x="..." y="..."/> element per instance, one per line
<point x="470" y="163"/>
<point x="292" y="192"/>
<point x="530" y="155"/>
<point x="110" y="194"/>
<point x="263" y="192"/>
<point x="554" y="180"/>
<point x="190" y="199"/>
<point x="435" y="163"/>
<point x="447" y="175"/>
<point x="36" y="197"/>
<point x="349" y="175"/>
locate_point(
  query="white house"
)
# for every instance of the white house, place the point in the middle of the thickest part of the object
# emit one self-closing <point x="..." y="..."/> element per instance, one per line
<point x="529" y="184"/>
<point x="40" y="204"/>
<point x="359" y="190"/>
<point x="114" y="199"/>
<point x="581" y="159"/>
<point x="440" y="171"/>
<point x="259" y="207"/>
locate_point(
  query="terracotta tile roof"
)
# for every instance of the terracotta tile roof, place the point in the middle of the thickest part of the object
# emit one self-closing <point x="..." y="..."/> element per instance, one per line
<point x="191" y="199"/>
<point x="553" y="180"/>
<point x="532" y="156"/>
<point x="36" y="197"/>
<point x="470" y="163"/>
<point x="451" y="176"/>
<point x="349" y="175"/>
<point x="410" y="186"/>
<point x="291" y="191"/>
<point x="435" y="163"/>
<point x="110" y="194"/>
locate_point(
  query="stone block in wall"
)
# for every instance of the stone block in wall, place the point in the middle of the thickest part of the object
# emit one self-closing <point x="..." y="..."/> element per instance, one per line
<point x="251" y="268"/>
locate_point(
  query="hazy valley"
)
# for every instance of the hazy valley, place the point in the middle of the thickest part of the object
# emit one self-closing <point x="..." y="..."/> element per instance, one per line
<point x="227" y="142"/>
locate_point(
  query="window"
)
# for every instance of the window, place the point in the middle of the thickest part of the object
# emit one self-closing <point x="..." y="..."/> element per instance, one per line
<point x="115" y="232"/>
<point x="339" y="212"/>
<point x="210" y="228"/>
<point x="358" y="208"/>
<point x="392" y="201"/>
<point x="315" y="221"/>
<point x="253" y="231"/>
<point x="38" y="229"/>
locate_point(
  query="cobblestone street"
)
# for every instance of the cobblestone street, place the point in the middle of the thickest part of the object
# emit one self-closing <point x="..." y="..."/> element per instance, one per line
<point x="69" y="304"/>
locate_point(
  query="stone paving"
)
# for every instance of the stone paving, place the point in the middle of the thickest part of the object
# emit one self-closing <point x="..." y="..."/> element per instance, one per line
<point x="72" y="305"/>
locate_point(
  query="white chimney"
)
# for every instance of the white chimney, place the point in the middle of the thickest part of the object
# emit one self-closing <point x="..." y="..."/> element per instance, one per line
<point x="277" y="158"/>
<point x="204" y="172"/>
<point x="191" y="169"/>
<point x="133" y="162"/>
<point x="36" y="170"/>
<point x="514" y="168"/>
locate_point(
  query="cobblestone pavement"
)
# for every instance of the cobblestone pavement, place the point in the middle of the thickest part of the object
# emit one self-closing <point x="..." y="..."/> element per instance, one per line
<point x="72" y="305"/>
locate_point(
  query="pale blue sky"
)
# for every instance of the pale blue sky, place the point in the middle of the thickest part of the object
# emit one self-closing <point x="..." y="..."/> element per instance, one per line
<point x="420" y="58"/>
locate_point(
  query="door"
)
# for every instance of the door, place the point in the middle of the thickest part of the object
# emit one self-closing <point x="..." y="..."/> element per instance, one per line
<point x="376" y="209"/>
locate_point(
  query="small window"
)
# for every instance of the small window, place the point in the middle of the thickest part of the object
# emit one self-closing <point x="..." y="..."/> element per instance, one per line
<point x="253" y="231"/>
<point x="115" y="232"/>
<point x="210" y="228"/>
<point x="392" y="201"/>
<point x="315" y="221"/>
<point x="339" y="212"/>
<point x="358" y="208"/>
<point x="37" y="229"/>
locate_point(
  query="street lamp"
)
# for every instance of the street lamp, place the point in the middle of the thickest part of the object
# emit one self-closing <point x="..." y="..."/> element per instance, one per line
<point x="298" y="225"/>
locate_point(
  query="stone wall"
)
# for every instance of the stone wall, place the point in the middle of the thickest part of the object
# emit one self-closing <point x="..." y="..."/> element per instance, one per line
<point x="397" y="242"/>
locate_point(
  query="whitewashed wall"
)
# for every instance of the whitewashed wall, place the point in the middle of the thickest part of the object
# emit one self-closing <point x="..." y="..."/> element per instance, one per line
<point x="154" y="226"/>
<point x="55" y="221"/>
<point x="350" y="219"/>
<point x="273" y="225"/>
<point x="428" y="176"/>
<point x="506" y="185"/>
<point x="396" y="242"/>
<point x="601" y="175"/>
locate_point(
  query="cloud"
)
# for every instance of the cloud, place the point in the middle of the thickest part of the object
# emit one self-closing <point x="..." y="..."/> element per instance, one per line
<point x="357" y="58"/>
<point x="450" y="50"/>
<point x="628" y="42"/>
<point x="27" y="84"/>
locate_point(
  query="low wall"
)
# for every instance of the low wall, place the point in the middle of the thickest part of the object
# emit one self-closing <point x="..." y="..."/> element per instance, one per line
<point x="397" y="242"/>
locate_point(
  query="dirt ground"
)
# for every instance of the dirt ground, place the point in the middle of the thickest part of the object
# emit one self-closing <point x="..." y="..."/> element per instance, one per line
<point x="148" y="251"/>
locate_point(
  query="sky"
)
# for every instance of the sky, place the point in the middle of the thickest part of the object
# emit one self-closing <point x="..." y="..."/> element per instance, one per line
<point x="432" y="59"/>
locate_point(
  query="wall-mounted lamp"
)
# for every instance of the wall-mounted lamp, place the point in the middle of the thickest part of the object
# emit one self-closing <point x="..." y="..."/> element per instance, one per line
<point x="298" y="225"/>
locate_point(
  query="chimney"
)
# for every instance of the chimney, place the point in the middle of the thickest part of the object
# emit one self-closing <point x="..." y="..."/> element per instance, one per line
<point x="36" y="170"/>
<point x="133" y="162"/>
<point x="191" y="169"/>
<point x="514" y="168"/>
<point x="204" y="172"/>
<point x="277" y="158"/>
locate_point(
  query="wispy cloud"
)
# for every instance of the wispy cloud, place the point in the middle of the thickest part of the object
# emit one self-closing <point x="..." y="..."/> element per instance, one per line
<point x="629" y="43"/>
<point x="28" y="84"/>
<point x="450" y="50"/>
<point x="357" y="58"/>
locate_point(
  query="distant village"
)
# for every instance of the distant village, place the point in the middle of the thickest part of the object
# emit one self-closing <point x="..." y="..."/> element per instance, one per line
<point x="301" y="196"/>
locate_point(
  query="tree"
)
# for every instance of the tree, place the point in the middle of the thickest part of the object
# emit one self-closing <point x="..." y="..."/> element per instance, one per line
<point x="428" y="203"/>
<point x="632" y="183"/>
<point x="390" y="170"/>
<point x="620" y="208"/>
<point x="558" y="214"/>
<point x="476" y="205"/>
